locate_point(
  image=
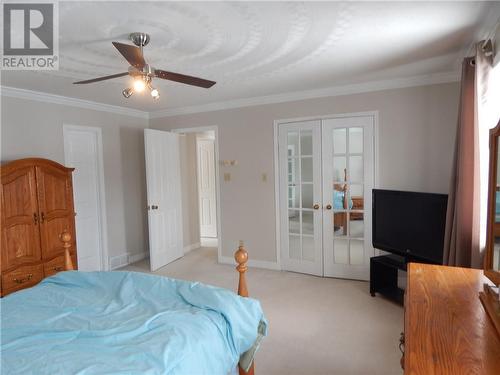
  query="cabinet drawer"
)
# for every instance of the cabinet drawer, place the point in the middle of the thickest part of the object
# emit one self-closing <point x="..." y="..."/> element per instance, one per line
<point x="21" y="278"/>
<point x="54" y="266"/>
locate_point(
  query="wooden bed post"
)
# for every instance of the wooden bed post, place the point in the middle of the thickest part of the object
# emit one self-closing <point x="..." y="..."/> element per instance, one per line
<point x="66" y="240"/>
<point x="241" y="257"/>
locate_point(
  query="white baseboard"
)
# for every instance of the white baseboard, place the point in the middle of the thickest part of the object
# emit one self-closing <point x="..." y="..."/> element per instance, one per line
<point x="252" y="263"/>
<point x="123" y="260"/>
<point x="191" y="247"/>
<point x="118" y="261"/>
<point x="209" y="242"/>
<point x="132" y="258"/>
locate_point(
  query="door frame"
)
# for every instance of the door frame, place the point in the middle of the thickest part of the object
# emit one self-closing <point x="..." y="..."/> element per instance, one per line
<point x="374" y="114"/>
<point x="101" y="195"/>
<point x="215" y="129"/>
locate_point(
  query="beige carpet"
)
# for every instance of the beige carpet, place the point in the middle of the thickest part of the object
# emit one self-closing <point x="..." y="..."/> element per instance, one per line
<point x="316" y="325"/>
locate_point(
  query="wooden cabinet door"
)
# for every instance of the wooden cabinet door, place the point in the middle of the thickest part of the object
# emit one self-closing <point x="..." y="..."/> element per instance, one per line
<point x="55" y="202"/>
<point x="20" y="218"/>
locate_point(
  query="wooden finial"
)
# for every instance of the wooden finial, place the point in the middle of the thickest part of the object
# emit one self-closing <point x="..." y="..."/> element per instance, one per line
<point x="241" y="257"/>
<point x="66" y="240"/>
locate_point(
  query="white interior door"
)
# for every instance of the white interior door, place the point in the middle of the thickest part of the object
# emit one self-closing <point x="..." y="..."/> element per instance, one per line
<point x="206" y="187"/>
<point x="164" y="197"/>
<point x="348" y="177"/>
<point x="300" y="196"/>
<point x="83" y="151"/>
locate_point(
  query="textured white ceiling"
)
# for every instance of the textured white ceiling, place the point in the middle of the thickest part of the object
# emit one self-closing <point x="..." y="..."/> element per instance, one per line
<point x="255" y="48"/>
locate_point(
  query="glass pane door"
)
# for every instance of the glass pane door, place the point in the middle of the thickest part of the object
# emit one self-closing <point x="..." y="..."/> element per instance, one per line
<point x="347" y="152"/>
<point x="300" y="193"/>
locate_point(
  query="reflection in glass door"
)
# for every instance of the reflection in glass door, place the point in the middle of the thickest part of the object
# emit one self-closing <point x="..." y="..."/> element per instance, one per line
<point x="300" y="196"/>
<point x="347" y="152"/>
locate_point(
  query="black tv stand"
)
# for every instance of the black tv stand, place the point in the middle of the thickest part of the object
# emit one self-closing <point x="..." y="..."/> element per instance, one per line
<point x="384" y="276"/>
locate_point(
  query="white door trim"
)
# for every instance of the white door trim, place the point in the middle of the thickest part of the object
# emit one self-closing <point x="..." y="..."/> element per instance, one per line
<point x="101" y="203"/>
<point x="276" y="124"/>
<point x="215" y="128"/>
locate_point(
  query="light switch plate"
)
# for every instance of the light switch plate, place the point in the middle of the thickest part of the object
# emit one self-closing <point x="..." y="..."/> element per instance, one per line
<point x="227" y="177"/>
<point x="264" y="177"/>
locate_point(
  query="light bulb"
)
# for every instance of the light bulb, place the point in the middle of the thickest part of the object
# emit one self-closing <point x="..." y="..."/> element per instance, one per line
<point x="127" y="93"/>
<point x="155" y="93"/>
<point x="139" y="85"/>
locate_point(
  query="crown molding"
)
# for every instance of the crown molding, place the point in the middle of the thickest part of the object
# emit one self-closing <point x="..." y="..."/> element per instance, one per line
<point x="421" y="80"/>
<point x="14" y="92"/>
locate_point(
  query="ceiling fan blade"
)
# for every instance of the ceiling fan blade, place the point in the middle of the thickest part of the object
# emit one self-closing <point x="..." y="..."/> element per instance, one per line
<point x="182" y="78"/>
<point x="101" y="78"/>
<point x="132" y="54"/>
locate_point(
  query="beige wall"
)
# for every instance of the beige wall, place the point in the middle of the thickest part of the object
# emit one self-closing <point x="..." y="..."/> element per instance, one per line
<point x="35" y="129"/>
<point x="190" y="211"/>
<point x="416" y="136"/>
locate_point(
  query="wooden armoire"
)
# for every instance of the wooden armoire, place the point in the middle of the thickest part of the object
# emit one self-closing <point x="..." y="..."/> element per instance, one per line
<point x="37" y="206"/>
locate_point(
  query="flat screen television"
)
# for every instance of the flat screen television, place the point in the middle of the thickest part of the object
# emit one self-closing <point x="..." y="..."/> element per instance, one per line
<point x="409" y="224"/>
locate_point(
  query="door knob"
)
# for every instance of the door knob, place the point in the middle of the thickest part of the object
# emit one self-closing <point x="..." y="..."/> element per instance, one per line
<point x="154" y="207"/>
<point x="328" y="207"/>
<point x="316" y="206"/>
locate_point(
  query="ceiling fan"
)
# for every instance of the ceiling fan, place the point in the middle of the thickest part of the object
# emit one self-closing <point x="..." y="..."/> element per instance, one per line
<point x="144" y="73"/>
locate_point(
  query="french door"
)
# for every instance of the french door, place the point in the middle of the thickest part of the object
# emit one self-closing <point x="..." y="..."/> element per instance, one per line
<point x="300" y="176"/>
<point x="347" y="185"/>
<point x="326" y="178"/>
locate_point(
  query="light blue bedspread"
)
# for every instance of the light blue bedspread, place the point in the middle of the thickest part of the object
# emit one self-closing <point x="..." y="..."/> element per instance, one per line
<point x="125" y="323"/>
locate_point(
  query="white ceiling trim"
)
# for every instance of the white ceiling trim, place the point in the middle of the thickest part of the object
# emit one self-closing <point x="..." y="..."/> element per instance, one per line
<point x="14" y="92"/>
<point x="357" y="88"/>
<point x="421" y="80"/>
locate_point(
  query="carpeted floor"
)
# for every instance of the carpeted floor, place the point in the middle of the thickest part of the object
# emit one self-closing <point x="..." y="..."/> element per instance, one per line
<point x="317" y="325"/>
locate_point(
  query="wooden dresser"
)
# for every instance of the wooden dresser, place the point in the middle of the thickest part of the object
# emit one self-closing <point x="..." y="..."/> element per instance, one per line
<point x="447" y="330"/>
<point x="37" y="206"/>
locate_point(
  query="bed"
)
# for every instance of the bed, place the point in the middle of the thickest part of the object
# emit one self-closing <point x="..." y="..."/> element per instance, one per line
<point x="129" y="323"/>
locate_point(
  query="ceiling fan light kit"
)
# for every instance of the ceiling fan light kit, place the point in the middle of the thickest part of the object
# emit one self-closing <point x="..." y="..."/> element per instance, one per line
<point x="141" y="83"/>
<point x="127" y="93"/>
<point x="155" y="93"/>
<point x="144" y="73"/>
